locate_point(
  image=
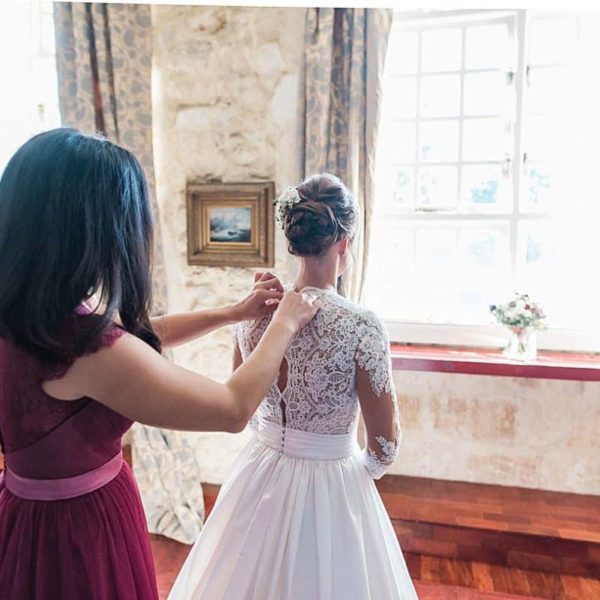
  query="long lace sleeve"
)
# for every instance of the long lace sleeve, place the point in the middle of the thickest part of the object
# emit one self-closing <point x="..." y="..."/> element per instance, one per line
<point x="377" y="396"/>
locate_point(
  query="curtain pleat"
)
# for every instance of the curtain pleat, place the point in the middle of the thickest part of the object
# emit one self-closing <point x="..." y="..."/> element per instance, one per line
<point x="104" y="65"/>
<point x="343" y="67"/>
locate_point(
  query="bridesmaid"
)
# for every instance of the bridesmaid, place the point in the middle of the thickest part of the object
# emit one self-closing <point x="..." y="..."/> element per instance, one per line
<point x="80" y="361"/>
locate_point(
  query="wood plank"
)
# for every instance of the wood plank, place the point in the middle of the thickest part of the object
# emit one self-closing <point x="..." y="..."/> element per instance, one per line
<point x="482" y="576"/>
<point x="591" y="588"/>
<point x="518" y="582"/>
<point x="430" y="569"/>
<point x="501" y="508"/>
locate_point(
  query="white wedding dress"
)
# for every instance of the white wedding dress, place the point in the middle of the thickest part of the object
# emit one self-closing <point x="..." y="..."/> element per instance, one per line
<point x="299" y="517"/>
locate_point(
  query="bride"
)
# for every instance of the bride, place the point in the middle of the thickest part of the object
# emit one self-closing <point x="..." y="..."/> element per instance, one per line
<point x="300" y="517"/>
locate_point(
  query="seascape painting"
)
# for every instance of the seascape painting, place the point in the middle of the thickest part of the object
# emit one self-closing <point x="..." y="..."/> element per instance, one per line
<point x="230" y="224"/>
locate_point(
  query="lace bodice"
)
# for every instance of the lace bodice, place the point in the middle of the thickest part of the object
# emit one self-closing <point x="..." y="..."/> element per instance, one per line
<point x="340" y="359"/>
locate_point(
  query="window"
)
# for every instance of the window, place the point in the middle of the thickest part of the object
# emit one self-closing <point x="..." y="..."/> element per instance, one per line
<point x="29" y="99"/>
<point x="486" y="174"/>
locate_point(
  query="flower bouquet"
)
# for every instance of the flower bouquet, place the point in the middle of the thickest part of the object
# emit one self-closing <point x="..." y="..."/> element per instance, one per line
<point x="522" y="317"/>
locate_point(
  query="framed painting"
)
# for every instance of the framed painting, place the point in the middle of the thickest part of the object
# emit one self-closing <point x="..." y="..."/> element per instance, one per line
<point x="231" y="224"/>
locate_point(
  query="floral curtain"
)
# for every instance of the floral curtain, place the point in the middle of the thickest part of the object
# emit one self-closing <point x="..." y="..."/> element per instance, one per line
<point x="344" y="56"/>
<point x="104" y="64"/>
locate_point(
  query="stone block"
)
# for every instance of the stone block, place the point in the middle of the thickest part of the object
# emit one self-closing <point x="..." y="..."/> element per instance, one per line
<point x="269" y="63"/>
<point x="285" y="102"/>
<point x="208" y="20"/>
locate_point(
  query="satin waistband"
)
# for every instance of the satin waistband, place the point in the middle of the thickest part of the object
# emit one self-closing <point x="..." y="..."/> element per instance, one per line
<point x="63" y="489"/>
<point x="303" y="444"/>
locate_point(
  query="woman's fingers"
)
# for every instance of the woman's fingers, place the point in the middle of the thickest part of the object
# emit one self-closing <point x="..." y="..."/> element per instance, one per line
<point x="264" y="295"/>
<point x="267" y="281"/>
<point x="269" y="284"/>
<point x="262" y="275"/>
<point x="297" y="309"/>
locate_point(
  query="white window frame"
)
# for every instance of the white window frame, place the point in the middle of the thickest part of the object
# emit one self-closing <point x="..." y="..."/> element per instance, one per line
<point x="485" y="336"/>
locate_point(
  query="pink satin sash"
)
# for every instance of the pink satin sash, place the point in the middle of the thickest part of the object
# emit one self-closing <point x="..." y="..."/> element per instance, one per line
<point x="63" y="489"/>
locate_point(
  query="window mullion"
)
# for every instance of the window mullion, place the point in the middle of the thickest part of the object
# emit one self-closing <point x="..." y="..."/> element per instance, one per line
<point x="461" y="116"/>
<point x="417" y="160"/>
<point x="518" y="147"/>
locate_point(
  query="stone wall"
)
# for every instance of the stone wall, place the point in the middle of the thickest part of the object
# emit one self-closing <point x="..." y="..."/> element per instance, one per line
<point x="226" y="107"/>
<point x="525" y="432"/>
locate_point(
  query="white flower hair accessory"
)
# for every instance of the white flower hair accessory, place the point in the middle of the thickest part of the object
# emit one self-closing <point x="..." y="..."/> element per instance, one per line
<point x="290" y="197"/>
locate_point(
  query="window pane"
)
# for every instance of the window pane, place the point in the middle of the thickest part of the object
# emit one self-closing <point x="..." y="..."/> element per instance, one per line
<point x="437" y="188"/>
<point x="589" y="39"/>
<point x="403" y="53"/>
<point x="436" y="249"/>
<point x="484" y="248"/>
<point x="458" y="269"/>
<point x="485" y="94"/>
<point x="395" y="251"/>
<point x="399" y="98"/>
<point x="397" y="143"/>
<point x="538" y="186"/>
<point x="483" y="188"/>
<point x="435" y="269"/>
<point x="488" y="47"/>
<point x="441" y="50"/>
<point x="395" y="186"/>
<point x="484" y="270"/>
<point x="550" y="89"/>
<point x="438" y="141"/>
<point x="440" y="95"/>
<point x="29" y="83"/>
<point x="391" y="261"/>
<point x="553" y="41"/>
<point x="540" y="133"/>
<point x="484" y="139"/>
<point x="551" y="270"/>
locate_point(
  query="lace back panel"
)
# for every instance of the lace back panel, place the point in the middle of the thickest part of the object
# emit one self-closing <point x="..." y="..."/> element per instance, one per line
<point x="323" y="361"/>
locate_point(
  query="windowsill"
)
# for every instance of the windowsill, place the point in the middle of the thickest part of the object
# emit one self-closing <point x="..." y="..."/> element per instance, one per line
<point x="488" y="338"/>
<point x="570" y="366"/>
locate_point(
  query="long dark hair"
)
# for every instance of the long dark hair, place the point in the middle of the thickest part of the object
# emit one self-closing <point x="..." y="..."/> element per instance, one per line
<point x="75" y="220"/>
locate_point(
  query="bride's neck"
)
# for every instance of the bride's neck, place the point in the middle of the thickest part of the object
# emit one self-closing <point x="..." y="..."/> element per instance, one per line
<point x="318" y="272"/>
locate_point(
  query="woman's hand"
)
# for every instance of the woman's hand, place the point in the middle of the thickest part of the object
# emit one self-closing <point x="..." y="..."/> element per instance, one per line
<point x="262" y="300"/>
<point x="296" y="309"/>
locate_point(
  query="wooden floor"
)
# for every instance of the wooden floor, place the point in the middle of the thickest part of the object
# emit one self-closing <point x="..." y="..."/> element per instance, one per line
<point x="435" y="578"/>
<point x="514" y="527"/>
<point x="493" y="507"/>
<point x="486" y="578"/>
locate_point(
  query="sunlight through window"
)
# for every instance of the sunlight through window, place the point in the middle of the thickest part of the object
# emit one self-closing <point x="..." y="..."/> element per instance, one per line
<point x="486" y="169"/>
<point x="29" y="102"/>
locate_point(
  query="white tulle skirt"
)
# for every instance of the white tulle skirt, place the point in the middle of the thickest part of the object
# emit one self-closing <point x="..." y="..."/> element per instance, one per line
<point x="298" y="519"/>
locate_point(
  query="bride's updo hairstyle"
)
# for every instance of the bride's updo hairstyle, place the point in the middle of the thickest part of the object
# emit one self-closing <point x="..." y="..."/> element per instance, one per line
<point x="326" y="213"/>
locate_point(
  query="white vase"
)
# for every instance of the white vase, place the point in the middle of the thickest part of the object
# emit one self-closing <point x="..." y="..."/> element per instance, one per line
<point x="522" y="344"/>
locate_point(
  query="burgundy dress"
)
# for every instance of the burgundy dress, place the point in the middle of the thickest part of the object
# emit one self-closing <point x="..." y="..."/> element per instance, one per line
<point x="87" y="544"/>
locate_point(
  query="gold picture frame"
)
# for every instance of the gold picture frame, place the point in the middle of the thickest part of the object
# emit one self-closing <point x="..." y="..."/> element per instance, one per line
<point x="231" y="224"/>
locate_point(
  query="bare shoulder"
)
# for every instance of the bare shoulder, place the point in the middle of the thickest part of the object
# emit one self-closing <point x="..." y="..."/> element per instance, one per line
<point x="91" y="373"/>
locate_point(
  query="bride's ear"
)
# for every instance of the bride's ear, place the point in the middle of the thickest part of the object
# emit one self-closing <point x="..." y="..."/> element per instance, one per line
<point x="343" y="246"/>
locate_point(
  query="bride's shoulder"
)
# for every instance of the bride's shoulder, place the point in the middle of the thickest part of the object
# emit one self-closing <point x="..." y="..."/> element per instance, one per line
<point x="360" y="316"/>
<point x="370" y="319"/>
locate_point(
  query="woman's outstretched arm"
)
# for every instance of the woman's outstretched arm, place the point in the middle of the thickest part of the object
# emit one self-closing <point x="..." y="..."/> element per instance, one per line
<point x="177" y="329"/>
<point x="135" y="381"/>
